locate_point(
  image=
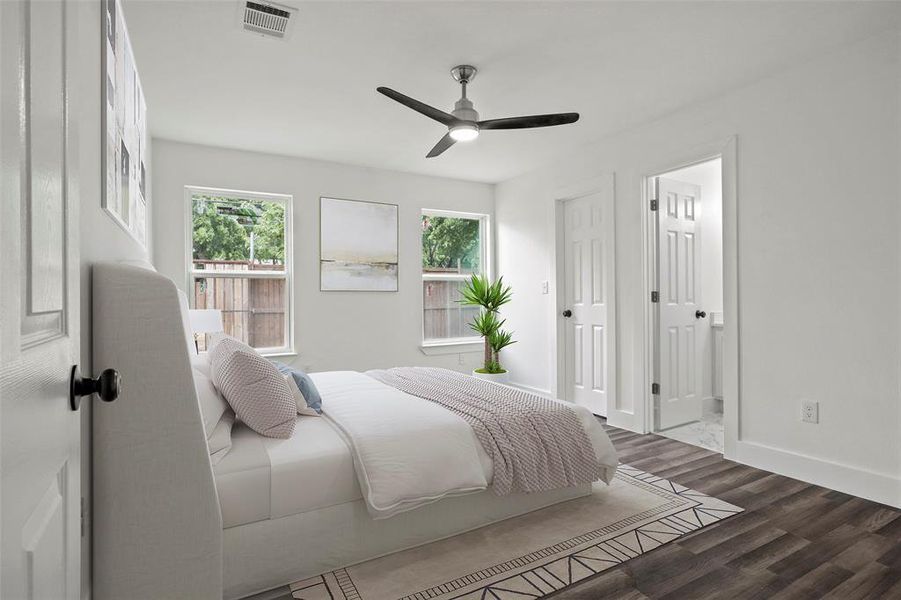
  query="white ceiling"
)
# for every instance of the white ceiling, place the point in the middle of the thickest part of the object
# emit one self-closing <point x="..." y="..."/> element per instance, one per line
<point x="617" y="63"/>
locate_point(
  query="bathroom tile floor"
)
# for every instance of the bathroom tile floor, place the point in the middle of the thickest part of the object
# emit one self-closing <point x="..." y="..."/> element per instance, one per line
<point x="706" y="433"/>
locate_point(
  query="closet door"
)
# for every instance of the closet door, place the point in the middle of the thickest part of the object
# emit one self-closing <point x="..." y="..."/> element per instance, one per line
<point x="588" y="311"/>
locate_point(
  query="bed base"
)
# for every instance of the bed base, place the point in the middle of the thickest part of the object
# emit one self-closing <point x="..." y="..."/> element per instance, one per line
<point x="266" y="554"/>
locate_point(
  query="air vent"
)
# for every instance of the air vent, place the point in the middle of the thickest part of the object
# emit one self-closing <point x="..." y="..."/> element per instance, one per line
<point x="267" y="18"/>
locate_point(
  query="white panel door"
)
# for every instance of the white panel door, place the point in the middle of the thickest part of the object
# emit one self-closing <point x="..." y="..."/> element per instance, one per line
<point x="588" y="309"/>
<point x="39" y="314"/>
<point x="679" y="287"/>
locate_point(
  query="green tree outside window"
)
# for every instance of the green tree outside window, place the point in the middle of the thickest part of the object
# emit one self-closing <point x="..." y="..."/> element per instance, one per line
<point x="223" y="229"/>
<point x="450" y="244"/>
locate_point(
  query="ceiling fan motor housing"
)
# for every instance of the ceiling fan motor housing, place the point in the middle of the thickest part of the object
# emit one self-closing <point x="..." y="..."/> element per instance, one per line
<point x="464" y="111"/>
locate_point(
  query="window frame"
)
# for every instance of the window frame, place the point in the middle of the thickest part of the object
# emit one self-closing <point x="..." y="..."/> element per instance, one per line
<point x="473" y="341"/>
<point x="287" y="200"/>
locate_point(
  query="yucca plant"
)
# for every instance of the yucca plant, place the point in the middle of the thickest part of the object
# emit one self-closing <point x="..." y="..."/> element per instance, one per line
<point x="478" y="291"/>
<point x="489" y="296"/>
<point x="499" y="340"/>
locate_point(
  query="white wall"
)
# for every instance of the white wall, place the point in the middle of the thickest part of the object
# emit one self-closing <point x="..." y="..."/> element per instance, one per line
<point x="101" y="239"/>
<point x="818" y="251"/>
<point x="333" y="330"/>
<point x="709" y="176"/>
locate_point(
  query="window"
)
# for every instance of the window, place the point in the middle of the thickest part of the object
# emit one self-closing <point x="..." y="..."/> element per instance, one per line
<point x="454" y="246"/>
<point x="240" y="263"/>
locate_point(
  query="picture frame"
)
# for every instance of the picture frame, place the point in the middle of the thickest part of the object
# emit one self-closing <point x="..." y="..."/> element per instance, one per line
<point x="124" y="128"/>
<point x="358" y="246"/>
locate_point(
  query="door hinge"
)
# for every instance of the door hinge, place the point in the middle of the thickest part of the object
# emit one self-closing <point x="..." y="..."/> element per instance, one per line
<point x="653" y="204"/>
<point x="655" y="389"/>
<point x="82" y="515"/>
<point x="655" y="296"/>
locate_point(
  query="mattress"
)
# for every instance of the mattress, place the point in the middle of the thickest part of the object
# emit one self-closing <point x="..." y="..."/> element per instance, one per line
<point x="263" y="478"/>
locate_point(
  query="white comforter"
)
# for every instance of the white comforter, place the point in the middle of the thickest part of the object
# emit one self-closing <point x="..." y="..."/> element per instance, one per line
<point x="409" y="452"/>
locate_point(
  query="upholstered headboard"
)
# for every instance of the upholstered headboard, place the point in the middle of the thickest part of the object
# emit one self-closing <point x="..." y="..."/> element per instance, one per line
<point x="157" y="526"/>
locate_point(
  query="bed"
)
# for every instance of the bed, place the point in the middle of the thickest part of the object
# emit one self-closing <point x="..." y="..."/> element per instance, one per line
<point x="169" y="524"/>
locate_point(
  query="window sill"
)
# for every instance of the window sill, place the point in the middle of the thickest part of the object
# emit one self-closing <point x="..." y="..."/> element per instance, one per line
<point x="451" y="347"/>
<point x="274" y="354"/>
<point x="279" y="353"/>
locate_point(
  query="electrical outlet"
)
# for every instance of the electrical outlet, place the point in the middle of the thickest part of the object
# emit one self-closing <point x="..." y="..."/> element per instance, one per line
<point x="810" y="411"/>
<point x="461" y="359"/>
<point x="545" y="287"/>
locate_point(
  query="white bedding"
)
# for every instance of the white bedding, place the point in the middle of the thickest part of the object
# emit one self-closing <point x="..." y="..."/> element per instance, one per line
<point x="311" y="470"/>
<point x="409" y="452"/>
<point x="418" y="453"/>
<point x="242" y="479"/>
<point x="263" y="478"/>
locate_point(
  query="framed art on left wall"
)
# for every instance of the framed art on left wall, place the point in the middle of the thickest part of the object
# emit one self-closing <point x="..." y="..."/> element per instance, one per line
<point x="124" y="118"/>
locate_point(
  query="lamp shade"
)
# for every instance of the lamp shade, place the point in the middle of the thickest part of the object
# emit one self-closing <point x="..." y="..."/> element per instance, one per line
<point x="205" y="320"/>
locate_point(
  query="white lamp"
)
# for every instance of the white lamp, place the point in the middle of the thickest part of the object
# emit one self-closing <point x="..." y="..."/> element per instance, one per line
<point x="203" y="321"/>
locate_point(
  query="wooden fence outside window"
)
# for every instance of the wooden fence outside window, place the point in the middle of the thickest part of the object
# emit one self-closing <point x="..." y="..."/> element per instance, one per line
<point x="253" y="309"/>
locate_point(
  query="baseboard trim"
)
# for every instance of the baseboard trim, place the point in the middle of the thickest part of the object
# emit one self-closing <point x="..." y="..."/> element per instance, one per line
<point x="533" y="390"/>
<point x="836" y="476"/>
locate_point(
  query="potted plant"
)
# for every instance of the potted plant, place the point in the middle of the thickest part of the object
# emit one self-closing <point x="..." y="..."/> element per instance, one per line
<point x="489" y="297"/>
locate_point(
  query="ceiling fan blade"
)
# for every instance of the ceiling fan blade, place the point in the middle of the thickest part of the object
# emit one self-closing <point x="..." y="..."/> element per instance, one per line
<point x="420" y="107"/>
<point x="531" y="121"/>
<point x="443" y="144"/>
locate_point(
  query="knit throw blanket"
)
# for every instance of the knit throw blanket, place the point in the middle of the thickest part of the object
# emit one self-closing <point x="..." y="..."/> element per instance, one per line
<point x="536" y="444"/>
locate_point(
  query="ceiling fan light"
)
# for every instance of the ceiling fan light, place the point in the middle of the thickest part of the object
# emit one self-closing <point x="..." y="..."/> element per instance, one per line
<point x="465" y="132"/>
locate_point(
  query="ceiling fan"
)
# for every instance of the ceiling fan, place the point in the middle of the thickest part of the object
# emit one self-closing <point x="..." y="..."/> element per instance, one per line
<point x="463" y="122"/>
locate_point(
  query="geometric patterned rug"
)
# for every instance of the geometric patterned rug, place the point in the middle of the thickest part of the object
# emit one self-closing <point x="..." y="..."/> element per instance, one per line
<point x="532" y="555"/>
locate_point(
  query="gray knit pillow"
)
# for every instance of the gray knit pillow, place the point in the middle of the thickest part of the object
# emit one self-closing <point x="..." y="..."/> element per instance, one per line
<point x="253" y="387"/>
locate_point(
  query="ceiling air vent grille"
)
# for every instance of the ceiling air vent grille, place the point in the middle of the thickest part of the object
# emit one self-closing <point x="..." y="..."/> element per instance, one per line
<point x="266" y="18"/>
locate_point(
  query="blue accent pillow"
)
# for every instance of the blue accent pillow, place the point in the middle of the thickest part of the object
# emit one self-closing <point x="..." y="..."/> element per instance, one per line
<point x="304" y="384"/>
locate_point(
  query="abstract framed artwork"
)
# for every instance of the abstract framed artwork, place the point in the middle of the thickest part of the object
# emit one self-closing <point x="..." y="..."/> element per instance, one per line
<point x="357" y="246"/>
<point x="124" y="118"/>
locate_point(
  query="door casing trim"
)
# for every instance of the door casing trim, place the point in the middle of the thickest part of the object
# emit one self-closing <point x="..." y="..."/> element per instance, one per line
<point x="727" y="150"/>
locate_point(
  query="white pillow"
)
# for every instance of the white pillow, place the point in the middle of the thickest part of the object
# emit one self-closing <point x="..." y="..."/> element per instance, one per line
<point x="253" y="387"/>
<point x="302" y="407"/>
<point x="212" y="404"/>
<point x="186" y="323"/>
<point x="220" y="441"/>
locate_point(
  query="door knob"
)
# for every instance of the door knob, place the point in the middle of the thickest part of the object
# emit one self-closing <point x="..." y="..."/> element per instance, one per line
<point x="567" y="313"/>
<point x="106" y="386"/>
<point x="700" y="314"/>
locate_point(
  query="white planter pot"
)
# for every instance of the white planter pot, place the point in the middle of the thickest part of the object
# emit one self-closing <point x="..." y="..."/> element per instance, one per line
<point x="495" y="377"/>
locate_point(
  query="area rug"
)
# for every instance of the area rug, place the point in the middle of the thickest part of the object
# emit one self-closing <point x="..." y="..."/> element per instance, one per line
<point x="535" y="554"/>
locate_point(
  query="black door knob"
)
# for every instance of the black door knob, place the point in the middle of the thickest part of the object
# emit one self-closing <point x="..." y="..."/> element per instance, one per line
<point x="567" y="313"/>
<point x="700" y="314"/>
<point x="106" y="386"/>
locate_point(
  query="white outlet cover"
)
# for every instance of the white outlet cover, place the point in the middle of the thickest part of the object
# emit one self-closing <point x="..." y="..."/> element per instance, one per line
<point x="545" y="287"/>
<point x="810" y="411"/>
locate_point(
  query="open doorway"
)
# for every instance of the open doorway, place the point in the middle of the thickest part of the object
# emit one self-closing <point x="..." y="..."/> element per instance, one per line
<point x="688" y="354"/>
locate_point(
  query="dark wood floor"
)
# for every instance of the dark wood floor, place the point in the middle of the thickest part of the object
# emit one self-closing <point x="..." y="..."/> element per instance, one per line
<point x="794" y="540"/>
